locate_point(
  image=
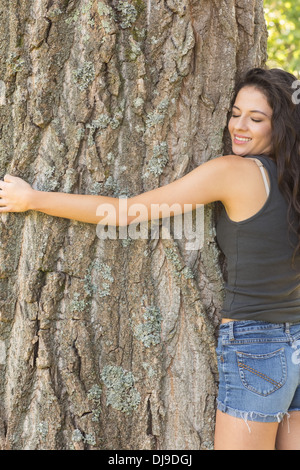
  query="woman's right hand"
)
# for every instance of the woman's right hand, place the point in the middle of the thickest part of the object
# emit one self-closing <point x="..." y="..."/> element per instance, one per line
<point x="15" y="194"/>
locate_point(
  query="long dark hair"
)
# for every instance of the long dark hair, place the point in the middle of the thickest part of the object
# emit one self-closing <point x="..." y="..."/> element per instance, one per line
<point x="279" y="88"/>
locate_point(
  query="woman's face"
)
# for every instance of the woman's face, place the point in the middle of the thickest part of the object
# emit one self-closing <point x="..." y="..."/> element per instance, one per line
<point x="250" y="123"/>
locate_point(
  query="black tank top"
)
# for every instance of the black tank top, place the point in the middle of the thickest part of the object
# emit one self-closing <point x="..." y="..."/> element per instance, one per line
<point x="262" y="284"/>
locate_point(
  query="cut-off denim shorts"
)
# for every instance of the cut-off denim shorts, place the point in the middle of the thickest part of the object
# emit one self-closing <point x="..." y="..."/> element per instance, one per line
<point x="259" y="370"/>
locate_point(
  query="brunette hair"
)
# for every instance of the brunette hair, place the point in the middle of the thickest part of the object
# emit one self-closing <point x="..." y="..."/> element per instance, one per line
<point x="277" y="85"/>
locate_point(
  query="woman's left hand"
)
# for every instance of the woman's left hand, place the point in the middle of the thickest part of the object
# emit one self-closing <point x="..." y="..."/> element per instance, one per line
<point x="15" y="194"/>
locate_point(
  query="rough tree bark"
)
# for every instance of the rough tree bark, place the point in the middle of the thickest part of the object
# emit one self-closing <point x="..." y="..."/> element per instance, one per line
<point x="109" y="344"/>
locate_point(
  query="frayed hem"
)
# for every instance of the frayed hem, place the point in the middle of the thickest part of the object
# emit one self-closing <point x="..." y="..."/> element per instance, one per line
<point x="252" y="415"/>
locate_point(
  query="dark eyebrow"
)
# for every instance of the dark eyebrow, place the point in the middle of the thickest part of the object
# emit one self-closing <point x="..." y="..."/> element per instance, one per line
<point x="252" y="111"/>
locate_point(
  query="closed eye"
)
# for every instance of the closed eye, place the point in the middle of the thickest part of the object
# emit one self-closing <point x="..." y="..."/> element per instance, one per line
<point x="254" y="120"/>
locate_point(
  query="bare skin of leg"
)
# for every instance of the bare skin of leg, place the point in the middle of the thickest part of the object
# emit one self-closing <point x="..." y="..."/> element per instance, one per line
<point x="288" y="435"/>
<point x="233" y="434"/>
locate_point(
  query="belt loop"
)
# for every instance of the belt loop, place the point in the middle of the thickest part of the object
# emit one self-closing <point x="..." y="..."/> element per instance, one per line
<point x="231" y="333"/>
<point x="287" y="328"/>
<point x="288" y="332"/>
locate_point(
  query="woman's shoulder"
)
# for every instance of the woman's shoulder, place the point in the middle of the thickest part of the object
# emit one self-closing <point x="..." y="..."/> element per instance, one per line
<point x="233" y="168"/>
<point x="234" y="163"/>
<point x="236" y="159"/>
<point x="246" y="190"/>
<point x="237" y="162"/>
<point x="232" y="159"/>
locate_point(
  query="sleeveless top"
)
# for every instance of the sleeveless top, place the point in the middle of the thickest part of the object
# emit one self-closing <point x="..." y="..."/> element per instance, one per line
<point x="262" y="284"/>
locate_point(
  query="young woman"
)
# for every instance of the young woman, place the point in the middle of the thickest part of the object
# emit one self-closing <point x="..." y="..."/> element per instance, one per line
<point x="259" y="232"/>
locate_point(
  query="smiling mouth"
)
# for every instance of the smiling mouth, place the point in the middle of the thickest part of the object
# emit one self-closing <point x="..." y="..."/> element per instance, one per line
<point x="241" y="140"/>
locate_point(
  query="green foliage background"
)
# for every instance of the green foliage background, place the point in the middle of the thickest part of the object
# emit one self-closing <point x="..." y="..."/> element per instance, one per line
<point x="283" y="22"/>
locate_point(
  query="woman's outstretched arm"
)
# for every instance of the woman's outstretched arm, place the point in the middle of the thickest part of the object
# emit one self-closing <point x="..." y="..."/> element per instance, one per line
<point x="17" y="196"/>
<point x="211" y="181"/>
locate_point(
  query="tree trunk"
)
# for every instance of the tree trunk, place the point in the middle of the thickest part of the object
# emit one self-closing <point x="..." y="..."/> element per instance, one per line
<point x="110" y="343"/>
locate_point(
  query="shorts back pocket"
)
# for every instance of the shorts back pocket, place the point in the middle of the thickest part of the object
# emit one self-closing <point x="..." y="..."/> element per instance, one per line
<point x="262" y="373"/>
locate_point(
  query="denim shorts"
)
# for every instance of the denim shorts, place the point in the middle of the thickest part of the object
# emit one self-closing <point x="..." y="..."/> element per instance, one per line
<point x="259" y="370"/>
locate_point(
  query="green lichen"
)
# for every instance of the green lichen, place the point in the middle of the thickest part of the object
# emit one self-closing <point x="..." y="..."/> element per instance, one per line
<point x="97" y="124"/>
<point x="173" y="257"/>
<point x="158" y="160"/>
<point x="94" y="395"/>
<point x="15" y="62"/>
<point x="111" y="185"/>
<point x="79" y="134"/>
<point x="106" y="14"/>
<point x="77" y="436"/>
<point x="138" y="102"/>
<point x="121" y="393"/>
<point x="163" y="105"/>
<point x="86" y="7"/>
<point x="188" y="273"/>
<point x="43" y="429"/>
<point x="116" y="120"/>
<point x="154" y="118"/>
<point x="54" y="13"/>
<point x="84" y="75"/>
<point x="103" y="276"/>
<point x="128" y="14"/>
<point x="96" y="188"/>
<point x="73" y="19"/>
<point x="110" y="157"/>
<point x="158" y="115"/>
<point x="104" y="9"/>
<point x="50" y="183"/>
<point x="69" y="180"/>
<point x="102" y="123"/>
<point x="149" y="369"/>
<point x="79" y="12"/>
<point x="149" y="331"/>
<point x="134" y="51"/>
<point x="90" y="439"/>
<point x="78" y="305"/>
<point x="174" y="77"/>
<point x="126" y="242"/>
<point x="177" y="264"/>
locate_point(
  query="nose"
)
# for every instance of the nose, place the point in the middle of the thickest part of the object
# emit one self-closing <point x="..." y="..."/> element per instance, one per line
<point x="240" y="123"/>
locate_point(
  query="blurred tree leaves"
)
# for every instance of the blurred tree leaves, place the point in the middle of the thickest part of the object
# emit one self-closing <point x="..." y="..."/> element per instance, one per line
<point x="283" y="22"/>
